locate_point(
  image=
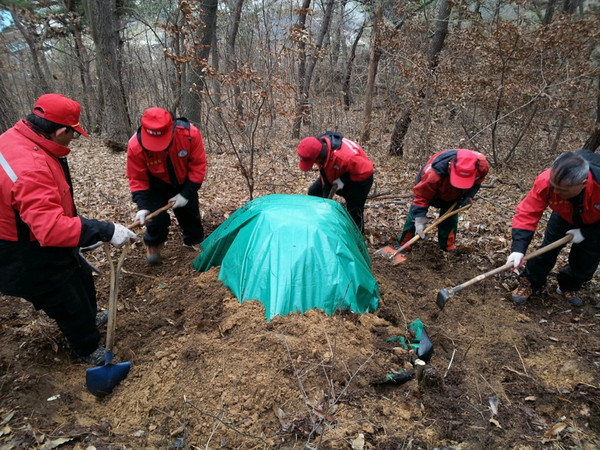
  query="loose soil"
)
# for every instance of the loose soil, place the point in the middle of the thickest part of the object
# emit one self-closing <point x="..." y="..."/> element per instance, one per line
<point x="209" y="372"/>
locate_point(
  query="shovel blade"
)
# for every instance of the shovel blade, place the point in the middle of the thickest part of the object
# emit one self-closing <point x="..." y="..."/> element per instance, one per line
<point x="101" y="381"/>
<point x="387" y="251"/>
<point x="443" y="297"/>
<point x="392" y="254"/>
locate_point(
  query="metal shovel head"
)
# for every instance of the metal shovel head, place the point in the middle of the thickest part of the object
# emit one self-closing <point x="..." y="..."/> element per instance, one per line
<point x="392" y="254"/>
<point x="443" y="297"/>
<point x="101" y="381"/>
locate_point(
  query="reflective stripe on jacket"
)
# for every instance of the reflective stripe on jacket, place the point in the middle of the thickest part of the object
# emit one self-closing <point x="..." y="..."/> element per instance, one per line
<point x="40" y="194"/>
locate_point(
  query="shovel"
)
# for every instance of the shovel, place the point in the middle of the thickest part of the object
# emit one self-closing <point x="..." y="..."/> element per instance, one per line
<point x="151" y="215"/>
<point x="100" y="381"/>
<point x="446" y="293"/>
<point x="396" y="256"/>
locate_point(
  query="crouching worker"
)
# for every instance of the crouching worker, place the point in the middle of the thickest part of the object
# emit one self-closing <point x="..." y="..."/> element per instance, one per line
<point x="166" y="163"/>
<point x="449" y="176"/>
<point x="343" y="164"/>
<point x="571" y="188"/>
<point x="40" y="231"/>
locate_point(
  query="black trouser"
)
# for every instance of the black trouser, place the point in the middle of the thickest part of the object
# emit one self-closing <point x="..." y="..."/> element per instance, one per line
<point x="188" y="216"/>
<point x="354" y="192"/>
<point x="583" y="259"/>
<point x="58" y="281"/>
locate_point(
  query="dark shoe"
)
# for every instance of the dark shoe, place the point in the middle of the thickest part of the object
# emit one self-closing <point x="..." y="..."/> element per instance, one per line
<point x="523" y="291"/>
<point x="101" y="318"/>
<point x="153" y="254"/>
<point x="96" y="358"/>
<point x="573" y="297"/>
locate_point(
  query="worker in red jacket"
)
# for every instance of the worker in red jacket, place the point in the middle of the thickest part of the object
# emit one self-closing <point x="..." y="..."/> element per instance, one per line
<point x="571" y="188"/>
<point x="449" y="176"/>
<point x="344" y="166"/>
<point x="166" y="163"/>
<point x="40" y="231"/>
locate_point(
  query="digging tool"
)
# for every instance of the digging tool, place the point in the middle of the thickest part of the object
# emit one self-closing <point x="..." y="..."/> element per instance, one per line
<point x="445" y="294"/>
<point x="395" y="254"/>
<point x="100" y="381"/>
<point x="151" y="215"/>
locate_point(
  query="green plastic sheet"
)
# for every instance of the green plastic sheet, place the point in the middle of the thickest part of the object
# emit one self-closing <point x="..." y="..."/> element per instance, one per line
<point x="293" y="253"/>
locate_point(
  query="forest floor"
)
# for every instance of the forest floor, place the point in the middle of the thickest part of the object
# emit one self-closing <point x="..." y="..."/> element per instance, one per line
<point x="209" y="372"/>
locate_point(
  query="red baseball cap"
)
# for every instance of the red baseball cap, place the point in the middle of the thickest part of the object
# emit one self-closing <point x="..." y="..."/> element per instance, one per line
<point x="308" y="150"/>
<point x="463" y="169"/>
<point x="59" y="109"/>
<point x="157" y="129"/>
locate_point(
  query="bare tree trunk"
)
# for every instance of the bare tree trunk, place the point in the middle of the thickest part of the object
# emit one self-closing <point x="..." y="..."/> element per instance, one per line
<point x="302" y="107"/>
<point x="373" y="65"/>
<point x="437" y="43"/>
<point x="41" y="84"/>
<point x="549" y="14"/>
<point x="348" y="73"/>
<point x="8" y="116"/>
<point x="191" y="104"/>
<point x="593" y="141"/>
<point x="105" y="27"/>
<point x="90" y="105"/>
<point x="232" y="60"/>
<point x="300" y="29"/>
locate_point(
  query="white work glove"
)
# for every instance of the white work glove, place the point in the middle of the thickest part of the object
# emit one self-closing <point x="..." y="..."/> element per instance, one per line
<point x="122" y="235"/>
<point x="577" y="236"/>
<point x="179" y="201"/>
<point x="420" y="223"/>
<point x="516" y="258"/>
<point x="339" y="183"/>
<point x="141" y="216"/>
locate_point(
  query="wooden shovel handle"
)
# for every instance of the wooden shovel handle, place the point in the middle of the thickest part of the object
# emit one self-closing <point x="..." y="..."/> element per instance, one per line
<point x="151" y="215"/>
<point x="112" y="297"/>
<point x="439" y="220"/>
<point x="508" y="265"/>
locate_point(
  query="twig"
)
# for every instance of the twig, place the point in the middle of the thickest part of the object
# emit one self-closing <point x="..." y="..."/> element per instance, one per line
<point x="403" y="316"/>
<point x="450" y="364"/>
<point x="138" y="274"/>
<point x="522" y="362"/>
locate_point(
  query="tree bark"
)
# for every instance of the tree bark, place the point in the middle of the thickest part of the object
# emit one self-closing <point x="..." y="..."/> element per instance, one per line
<point x="437" y="43"/>
<point x="8" y="116"/>
<point x="373" y="65"/>
<point x="41" y="84"/>
<point x="549" y="14"/>
<point x="300" y="28"/>
<point x="232" y="61"/>
<point x="303" y="106"/>
<point x="593" y="141"/>
<point x="348" y="73"/>
<point x="105" y="26"/>
<point x="191" y="104"/>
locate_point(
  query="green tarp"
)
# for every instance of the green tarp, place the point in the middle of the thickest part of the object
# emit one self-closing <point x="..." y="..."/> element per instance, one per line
<point x="293" y="253"/>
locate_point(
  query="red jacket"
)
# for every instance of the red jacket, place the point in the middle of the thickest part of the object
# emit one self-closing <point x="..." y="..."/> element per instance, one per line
<point x="186" y="153"/>
<point x="40" y="194"/>
<point x="542" y="195"/>
<point x="433" y="186"/>
<point x="349" y="159"/>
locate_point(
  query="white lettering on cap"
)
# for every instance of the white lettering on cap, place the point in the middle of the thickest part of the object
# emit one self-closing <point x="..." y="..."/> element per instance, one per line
<point x="154" y="132"/>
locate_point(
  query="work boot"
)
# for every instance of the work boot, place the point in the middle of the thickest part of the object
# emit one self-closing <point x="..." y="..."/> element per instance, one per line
<point x="101" y="318"/>
<point x="522" y="292"/>
<point x="96" y="358"/>
<point x="153" y="254"/>
<point x="573" y="297"/>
